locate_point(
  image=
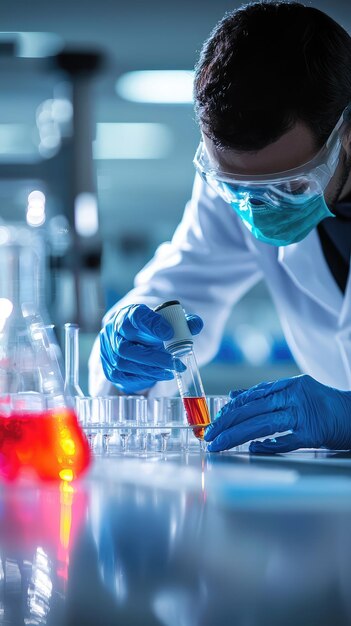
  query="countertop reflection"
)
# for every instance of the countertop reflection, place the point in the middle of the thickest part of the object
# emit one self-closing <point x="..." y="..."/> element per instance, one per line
<point x="183" y="539"/>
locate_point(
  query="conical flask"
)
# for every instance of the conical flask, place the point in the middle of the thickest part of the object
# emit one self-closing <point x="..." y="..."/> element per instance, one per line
<point x="39" y="429"/>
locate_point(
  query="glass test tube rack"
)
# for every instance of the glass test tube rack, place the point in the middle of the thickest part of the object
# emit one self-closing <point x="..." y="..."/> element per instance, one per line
<point x="136" y="425"/>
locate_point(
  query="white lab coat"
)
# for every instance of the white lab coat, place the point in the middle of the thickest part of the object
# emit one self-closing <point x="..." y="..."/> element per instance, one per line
<point x="213" y="260"/>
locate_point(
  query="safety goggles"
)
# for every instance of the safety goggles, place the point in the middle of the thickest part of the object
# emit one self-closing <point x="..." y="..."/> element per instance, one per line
<point x="293" y="186"/>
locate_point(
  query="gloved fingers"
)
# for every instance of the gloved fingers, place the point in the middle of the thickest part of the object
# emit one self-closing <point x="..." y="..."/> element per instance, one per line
<point x="261" y="426"/>
<point x="236" y="392"/>
<point x="131" y="384"/>
<point x="262" y="387"/>
<point x="143" y="382"/>
<point x="126" y="382"/>
<point x="230" y="415"/>
<point x="147" y="321"/>
<point x="195" y="324"/>
<point x="107" y="353"/>
<point x="134" y="367"/>
<point x="274" y="446"/>
<point x="129" y="332"/>
<point x="263" y="390"/>
<point x="148" y="356"/>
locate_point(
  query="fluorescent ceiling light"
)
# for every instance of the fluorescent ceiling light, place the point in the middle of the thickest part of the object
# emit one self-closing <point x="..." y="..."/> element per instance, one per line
<point x="36" y="198"/>
<point x="132" y="141"/>
<point x="162" y="86"/>
<point x="33" y="44"/>
<point x="35" y="219"/>
<point x="86" y="214"/>
<point x="36" y="208"/>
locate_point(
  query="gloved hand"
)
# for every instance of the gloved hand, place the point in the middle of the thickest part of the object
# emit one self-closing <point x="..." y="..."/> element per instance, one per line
<point x="131" y="347"/>
<point x="318" y="416"/>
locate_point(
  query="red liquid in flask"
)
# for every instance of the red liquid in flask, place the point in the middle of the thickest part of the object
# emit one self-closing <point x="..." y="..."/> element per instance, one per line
<point x="50" y="442"/>
<point x="197" y="414"/>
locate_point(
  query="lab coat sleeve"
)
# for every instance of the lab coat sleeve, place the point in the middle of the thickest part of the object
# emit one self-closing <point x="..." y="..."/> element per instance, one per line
<point x="208" y="266"/>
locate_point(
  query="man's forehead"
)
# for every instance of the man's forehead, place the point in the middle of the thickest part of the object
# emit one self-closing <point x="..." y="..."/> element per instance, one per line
<point x="294" y="148"/>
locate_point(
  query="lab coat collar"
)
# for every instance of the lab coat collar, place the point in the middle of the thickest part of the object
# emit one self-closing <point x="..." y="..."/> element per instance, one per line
<point x="304" y="262"/>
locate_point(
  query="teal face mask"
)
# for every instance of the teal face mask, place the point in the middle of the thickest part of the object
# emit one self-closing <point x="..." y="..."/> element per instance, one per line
<point x="281" y="225"/>
<point x="278" y="208"/>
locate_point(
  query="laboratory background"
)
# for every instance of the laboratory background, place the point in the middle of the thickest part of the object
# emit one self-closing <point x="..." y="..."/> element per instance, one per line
<point x="87" y="120"/>
<point x="125" y="517"/>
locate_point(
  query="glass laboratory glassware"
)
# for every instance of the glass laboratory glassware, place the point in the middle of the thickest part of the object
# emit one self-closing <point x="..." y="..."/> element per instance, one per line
<point x="89" y="414"/>
<point x="71" y="386"/>
<point x="185" y="366"/>
<point x="115" y="421"/>
<point x="170" y="422"/>
<point x="105" y="411"/>
<point x="128" y="415"/>
<point x="215" y="404"/>
<point x="39" y="430"/>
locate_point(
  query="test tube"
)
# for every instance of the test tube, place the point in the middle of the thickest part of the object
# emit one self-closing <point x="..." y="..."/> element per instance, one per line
<point x="169" y="419"/>
<point x="185" y="367"/>
<point x="88" y="414"/>
<point x="72" y="387"/>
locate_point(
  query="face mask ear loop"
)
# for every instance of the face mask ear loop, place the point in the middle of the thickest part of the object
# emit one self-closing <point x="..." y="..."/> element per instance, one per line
<point x="334" y="156"/>
<point x="344" y="130"/>
<point x="347" y="114"/>
<point x="346" y="139"/>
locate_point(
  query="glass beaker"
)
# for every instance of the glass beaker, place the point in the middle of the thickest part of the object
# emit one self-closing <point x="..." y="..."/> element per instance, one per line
<point x="38" y="426"/>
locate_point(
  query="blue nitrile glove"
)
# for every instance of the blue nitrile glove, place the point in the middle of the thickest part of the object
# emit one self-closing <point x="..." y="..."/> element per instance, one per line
<point x="318" y="416"/>
<point x="131" y="347"/>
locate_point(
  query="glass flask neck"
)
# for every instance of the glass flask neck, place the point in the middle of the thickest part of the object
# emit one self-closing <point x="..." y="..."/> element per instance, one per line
<point x="72" y="360"/>
<point x="19" y="275"/>
<point x="29" y="368"/>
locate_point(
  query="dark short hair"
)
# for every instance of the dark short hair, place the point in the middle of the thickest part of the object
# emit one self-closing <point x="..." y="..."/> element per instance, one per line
<point x="267" y="65"/>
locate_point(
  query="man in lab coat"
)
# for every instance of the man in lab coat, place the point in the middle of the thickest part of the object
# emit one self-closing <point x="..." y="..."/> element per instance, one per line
<point x="271" y="200"/>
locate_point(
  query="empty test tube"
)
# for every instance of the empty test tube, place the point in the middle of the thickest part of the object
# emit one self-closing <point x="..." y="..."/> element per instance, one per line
<point x="72" y="387"/>
<point x="185" y="366"/>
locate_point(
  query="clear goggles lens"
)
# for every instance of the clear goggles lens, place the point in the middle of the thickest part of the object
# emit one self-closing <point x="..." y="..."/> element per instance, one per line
<point x="278" y="195"/>
<point x="292" y="187"/>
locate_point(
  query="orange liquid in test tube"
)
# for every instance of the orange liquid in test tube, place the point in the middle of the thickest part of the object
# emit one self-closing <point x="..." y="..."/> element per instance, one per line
<point x="197" y="415"/>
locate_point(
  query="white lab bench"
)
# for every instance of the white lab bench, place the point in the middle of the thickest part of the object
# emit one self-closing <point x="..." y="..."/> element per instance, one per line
<point x="186" y="539"/>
